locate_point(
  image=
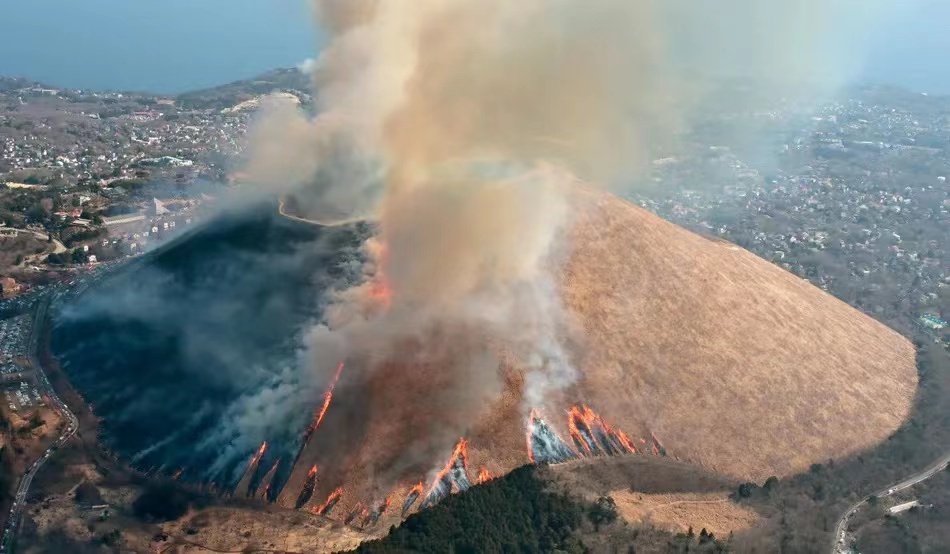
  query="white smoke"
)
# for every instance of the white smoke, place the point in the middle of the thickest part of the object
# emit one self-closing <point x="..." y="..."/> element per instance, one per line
<point x="460" y="126"/>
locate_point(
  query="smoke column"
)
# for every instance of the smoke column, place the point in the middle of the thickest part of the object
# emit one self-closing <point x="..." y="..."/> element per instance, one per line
<point x="460" y="126"/>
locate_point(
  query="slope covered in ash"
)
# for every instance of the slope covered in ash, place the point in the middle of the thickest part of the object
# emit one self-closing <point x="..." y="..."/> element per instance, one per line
<point x="189" y="356"/>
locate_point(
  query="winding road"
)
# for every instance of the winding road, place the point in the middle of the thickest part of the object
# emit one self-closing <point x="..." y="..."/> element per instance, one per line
<point x="58" y="246"/>
<point x="842" y="542"/>
<point x="330" y="223"/>
<point x="7" y="542"/>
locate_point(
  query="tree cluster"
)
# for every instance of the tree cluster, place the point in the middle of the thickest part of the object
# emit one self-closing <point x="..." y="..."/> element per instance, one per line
<point x="161" y="502"/>
<point x="510" y="514"/>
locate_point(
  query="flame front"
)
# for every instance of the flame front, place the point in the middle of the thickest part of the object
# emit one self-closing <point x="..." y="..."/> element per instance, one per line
<point x="414" y="494"/>
<point x="593" y="435"/>
<point x="319" y="414"/>
<point x="334" y="497"/>
<point x="627" y="442"/>
<point x="307" y="492"/>
<point x="259" y="454"/>
<point x="381" y="293"/>
<point x="590" y="433"/>
<point x="327" y="397"/>
<point x="483" y="476"/>
<point x="657" y="446"/>
<point x="455" y="471"/>
<point x="529" y="432"/>
<point x="245" y="481"/>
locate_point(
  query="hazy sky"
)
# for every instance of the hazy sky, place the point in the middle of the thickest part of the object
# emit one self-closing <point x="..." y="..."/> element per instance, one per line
<point x="162" y="46"/>
<point x="176" y="45"/>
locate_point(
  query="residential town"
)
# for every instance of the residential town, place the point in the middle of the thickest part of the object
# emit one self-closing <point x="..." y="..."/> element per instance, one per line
<point x="857" y="202"/>
<point x="852" y="197"/>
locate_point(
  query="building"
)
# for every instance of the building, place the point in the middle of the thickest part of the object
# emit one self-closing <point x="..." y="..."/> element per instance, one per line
<point x="932" y="322"/>
<point x="903" y="507"/>
<point x="159" y="207"/>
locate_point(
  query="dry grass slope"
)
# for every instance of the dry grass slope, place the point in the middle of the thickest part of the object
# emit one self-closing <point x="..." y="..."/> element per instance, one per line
<point x="734" y="362"/>
<point x="737" y="365"/>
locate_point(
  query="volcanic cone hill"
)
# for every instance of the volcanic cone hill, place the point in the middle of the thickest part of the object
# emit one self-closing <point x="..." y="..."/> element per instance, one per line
<point x="693" y="348"/>
<point x="734" y="362"/>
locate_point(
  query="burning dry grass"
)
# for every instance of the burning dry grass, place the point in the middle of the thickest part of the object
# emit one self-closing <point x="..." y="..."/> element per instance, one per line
<point x="735" y="364"/>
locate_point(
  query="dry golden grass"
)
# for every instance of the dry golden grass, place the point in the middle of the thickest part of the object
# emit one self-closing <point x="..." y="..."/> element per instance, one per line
<point x="659" y="492"/>
<point x="221" y="528"/>
<point x="235" y="530"/>
<point x="735" y="363"/>
<point x="714" y="512"/>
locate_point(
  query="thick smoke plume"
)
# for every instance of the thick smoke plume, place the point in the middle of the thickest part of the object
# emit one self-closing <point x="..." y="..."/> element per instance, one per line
<point x="460" y="126"/>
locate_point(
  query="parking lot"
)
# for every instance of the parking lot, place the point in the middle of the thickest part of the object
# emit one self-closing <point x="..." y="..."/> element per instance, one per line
<point x="14" y="338"/>
<point x="23" y="397"/>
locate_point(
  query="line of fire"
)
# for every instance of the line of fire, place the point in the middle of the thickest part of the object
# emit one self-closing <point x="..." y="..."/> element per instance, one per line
<point x="588" y="435"/>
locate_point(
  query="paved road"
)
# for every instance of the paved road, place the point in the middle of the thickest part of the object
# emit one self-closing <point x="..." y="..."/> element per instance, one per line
<point x="122" y="220"/>
<point x="7" y="542"/>
<point x="842" y="539"/>
<point x="322" y="223"/>
<point x="58" y="246"/>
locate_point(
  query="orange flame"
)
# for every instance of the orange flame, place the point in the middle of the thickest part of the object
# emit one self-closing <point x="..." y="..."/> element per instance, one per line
<point x="657" y="446"/>
<point x="531" y="422"/>
<point x="483" y="476"/>
<point x="414" y="494"/>
<point x="327" y="397"/>
<point x="381" y="292"/>
<point x="331" y="500"/>
<point x="319" y="414"/>
<point x="626" y="441"/>
<point x="573" y="415"/>
<point x="460" y="453"/>
<point x="312" y="473"/>
<point x="593" y="422"/>
<point x="259" y="454"/>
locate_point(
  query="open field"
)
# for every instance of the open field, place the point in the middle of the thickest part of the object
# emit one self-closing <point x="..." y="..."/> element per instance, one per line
<point x="20" y="247"/>
<point x="715" y="512"/>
